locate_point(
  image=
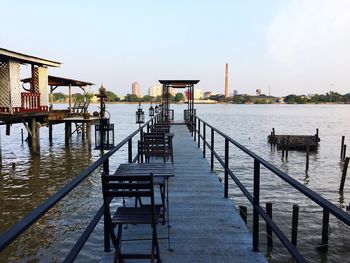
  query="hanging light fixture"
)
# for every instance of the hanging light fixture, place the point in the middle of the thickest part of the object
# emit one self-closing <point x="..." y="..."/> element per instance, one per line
<point x="156" y="109"/>
<point x="104" y="132"/>
<point x="140" y="114"/>
<point x="151" y="110"/>
<point x="104" y="135"/>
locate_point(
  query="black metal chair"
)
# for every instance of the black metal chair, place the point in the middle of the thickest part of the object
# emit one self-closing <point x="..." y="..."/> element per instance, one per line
<point x="130" y="187"/>
<point x="159" y="137"/>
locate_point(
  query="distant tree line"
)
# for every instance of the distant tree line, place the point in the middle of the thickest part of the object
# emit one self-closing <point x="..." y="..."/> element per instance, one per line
<point x="318" y="98"/>
<point x="290" y="99"/>
<point x="112" y="97"/>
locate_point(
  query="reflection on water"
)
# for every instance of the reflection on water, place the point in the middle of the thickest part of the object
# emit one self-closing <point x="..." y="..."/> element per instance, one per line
<point x="34" y="178"/>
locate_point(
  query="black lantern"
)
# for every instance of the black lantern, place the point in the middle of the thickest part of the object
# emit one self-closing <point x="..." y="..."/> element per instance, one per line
<point x="156" y="109"/>
<point x="104" y="132"/>
<point x="151" y="111"/>
<point x="104" y="135"/>
<point x="140" y="114"/>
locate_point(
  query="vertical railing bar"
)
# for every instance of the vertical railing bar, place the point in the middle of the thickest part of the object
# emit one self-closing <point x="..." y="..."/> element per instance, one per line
<point x="130" y="150"/>
<point x="204" y="139"/>
<point x="226" y="168"/>
<point x="199" y="133"/>
<point x="256" y="198"/>
<point x="212" y="150"/>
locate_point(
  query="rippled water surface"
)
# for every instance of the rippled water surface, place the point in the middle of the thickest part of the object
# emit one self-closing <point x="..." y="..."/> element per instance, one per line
<point x="26" y="180"/>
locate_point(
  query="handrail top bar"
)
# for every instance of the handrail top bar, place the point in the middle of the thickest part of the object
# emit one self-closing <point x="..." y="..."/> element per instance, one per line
<point x="337" y="212"/>
<point x="29" y="219"/>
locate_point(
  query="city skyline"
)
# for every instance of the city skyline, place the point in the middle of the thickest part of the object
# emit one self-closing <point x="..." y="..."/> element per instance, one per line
<point x="289" y="47"/>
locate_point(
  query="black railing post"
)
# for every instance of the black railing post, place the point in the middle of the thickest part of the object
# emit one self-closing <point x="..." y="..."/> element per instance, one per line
<point x="199" y="133"/>
<point x="226" y="168"/>
<point x="130" y="150"/>
<point x="106" y="235"/>
<point x="325" y="225"/>
<point x="147" y="127"/>
<point x="195" y="128"/>
<point x="106" y="167"/>
<point x="212" y="150"/>
<point x="204" y="139"/>
<point x="255" y="205"/>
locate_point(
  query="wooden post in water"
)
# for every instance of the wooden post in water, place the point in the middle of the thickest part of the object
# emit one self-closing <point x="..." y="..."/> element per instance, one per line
<point x="342" y="147"/>
<point x="343" y="177"/>
<point x="317" y="133"/>
<point x="67" y="132"/>
<point x="268" y="228"/>
<point x="307" y="156"/>
<point x="50" y="134"/>
<point x="325" y="223"/>
<point x="274" y="137"/>
<point x="287" y="147"/>
<point x="344" y="152"/>
<point x="243" y="212"/>
<point x="22" y="135"/>
<point x="271" y="140"/>
<point x="295" y="220"/>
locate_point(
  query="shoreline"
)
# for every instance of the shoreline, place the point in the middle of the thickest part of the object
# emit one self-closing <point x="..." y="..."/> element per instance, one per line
<point x="211" y="103"/>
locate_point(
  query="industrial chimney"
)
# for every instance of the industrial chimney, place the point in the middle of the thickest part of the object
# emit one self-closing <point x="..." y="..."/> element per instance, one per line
<point x="226" y="82"/>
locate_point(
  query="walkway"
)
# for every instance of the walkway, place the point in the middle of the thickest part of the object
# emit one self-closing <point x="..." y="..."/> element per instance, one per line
<point x="205" y="227"/>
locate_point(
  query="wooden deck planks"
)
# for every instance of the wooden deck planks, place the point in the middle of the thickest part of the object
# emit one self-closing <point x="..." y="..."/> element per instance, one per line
<point x="205" y="227"/>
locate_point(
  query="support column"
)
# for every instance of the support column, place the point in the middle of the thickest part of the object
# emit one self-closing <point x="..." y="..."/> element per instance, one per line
<point x="35" y="138"/>
<point x="68" y="132"/>
<point x="88" y="133"/>
<point x="50" y="133"/>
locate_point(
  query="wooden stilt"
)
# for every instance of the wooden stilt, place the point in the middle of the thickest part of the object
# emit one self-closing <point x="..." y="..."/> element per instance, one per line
<point x="68" y="132"/>
<point x="88" y="133"/>
<point x="34" y="138"/>
<point x="50" y="134"/>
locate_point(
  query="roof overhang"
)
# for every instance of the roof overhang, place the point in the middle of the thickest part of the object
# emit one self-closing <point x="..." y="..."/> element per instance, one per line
<point x="62" y="82"/>
<point x="178" y="83"/>
<point x="27" y="59"/>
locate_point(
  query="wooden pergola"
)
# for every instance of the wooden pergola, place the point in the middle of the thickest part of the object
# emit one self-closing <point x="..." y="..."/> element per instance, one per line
<point x="178" y="84"/>
<point x="55" y="82"/>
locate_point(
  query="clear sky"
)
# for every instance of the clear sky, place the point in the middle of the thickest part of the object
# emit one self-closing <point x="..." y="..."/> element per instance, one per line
<point x="294" y="46"/>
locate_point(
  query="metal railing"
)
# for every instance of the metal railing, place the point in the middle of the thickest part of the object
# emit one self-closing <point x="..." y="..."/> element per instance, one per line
<point x="258" y="210"/>
<point x="16" y="230"/>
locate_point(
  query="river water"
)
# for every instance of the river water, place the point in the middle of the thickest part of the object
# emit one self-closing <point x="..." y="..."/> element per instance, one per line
<point x="26" y="181"/>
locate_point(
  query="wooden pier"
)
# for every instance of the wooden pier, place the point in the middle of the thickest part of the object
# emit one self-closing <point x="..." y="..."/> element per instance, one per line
<point x="205" y="226"/>
<point x="294" y="142"/>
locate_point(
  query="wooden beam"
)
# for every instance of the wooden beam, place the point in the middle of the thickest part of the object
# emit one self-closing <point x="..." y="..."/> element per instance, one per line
<point x="27" y="128"/>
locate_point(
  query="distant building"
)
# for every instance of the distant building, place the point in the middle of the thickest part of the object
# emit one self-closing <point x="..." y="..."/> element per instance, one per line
<point x="258" y="92"/>
<point x="198" y="94"/>
<point x="136" y="89"/>
<point x="235" y="92"/>
<point x="155" y="91"/>
<point x="208" y="94"/>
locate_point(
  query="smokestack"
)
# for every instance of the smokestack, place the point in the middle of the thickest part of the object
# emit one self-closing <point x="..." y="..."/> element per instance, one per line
<point x="226" y="81"/>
